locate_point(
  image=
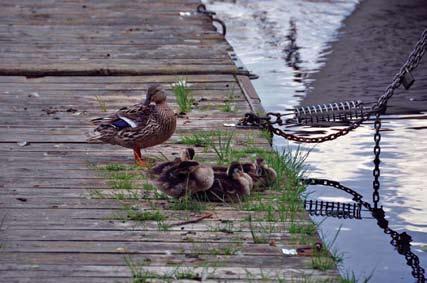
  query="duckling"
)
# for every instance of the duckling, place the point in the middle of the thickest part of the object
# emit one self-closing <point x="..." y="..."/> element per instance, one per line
<point x="140" y="126"/>
<point x="187" y="154"/>
<point x="186" y="178"/>
<point x="265" y="175"/>
<point x="262" y="175"/>
<point x="230" y="186"/>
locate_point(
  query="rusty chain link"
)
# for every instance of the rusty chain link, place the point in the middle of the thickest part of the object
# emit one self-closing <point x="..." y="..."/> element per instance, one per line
<point x="201" y="9"/>
<point x="403" y="76"/>
<point x="401" y="241"/>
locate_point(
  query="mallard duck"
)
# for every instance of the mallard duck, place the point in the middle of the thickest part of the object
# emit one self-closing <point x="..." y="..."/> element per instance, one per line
<point x="186" y="178"/>
<point x="230" y="186"/>
<point x="187" y="154"/>
<point x="140" y="126"/>
<point x="262" y="175"/>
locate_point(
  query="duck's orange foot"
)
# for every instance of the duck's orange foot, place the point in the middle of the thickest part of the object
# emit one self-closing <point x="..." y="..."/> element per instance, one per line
<point x="138" y="157"/>
<point x="141" y="163"/>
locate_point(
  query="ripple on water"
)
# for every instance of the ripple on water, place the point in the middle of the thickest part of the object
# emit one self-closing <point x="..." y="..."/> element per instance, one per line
<point x="258" y="32"/>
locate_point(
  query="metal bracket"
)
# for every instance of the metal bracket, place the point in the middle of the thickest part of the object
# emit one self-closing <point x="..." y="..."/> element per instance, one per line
<point x="407" y="80"/>
<point x="333" y="209"/>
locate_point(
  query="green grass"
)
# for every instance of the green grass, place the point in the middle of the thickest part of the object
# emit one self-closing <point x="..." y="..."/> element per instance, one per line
<point x="139" y="274"/>
<point x="162" y="226"/>
<point x="308" y="229"/>
<point x="188" y="203"/>
<point x="328" y="257"/>
<point x="226" y="249"/>
<point x="350" y="277"/>
<point x="202" y="139"/>
<point x="258" y="239"/>
<point x="112" y="167"/>
<point x="228" y="106"/>
<point x="266" y="134"/>
<point x="101" y="103"/>
<point x="136" y="215"/>
<point x="222" y="145"/>
<point x="183" y="96"/>
<point x="182" y="273"/>
<point x="226" y="226"/>
<point x="124" y="181"/>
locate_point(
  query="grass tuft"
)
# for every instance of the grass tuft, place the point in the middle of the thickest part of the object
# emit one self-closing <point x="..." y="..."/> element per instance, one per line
<point x="188" y="203"/>
<point x="222" y="145"/>
<point x="202" y="139"/>
<point x="139" y="274"/>
<point x="228" y="106"/>
<point x="137" y="215"/>
<point x="101" y="103"/>
<point x="183" y="96"/>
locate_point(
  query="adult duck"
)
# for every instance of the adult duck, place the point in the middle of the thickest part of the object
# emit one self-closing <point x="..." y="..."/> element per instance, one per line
<point x="139" y="126"/>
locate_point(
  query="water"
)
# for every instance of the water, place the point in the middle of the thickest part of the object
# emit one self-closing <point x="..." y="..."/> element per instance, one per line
<point x="258" y="32"/>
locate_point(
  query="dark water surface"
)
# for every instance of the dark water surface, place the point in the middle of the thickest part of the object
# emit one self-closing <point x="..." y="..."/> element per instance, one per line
<point x="259" y="31"/>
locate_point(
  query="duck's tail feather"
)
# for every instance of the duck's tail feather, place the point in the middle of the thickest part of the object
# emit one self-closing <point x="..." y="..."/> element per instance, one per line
<point x="95" y="139"/>
<point x="101" y="120"/>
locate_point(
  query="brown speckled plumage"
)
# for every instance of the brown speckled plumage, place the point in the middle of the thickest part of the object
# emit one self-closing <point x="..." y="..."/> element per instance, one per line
<point x="149" y="124"/>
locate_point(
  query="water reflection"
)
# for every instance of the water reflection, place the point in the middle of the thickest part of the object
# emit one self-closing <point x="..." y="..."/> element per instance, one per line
<point x="401" y="241"/>
<point x="261" y="34"/>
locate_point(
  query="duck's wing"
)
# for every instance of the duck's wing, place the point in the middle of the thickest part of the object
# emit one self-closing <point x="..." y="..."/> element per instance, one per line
<point x="127" y="117"/>
<point x="133" y="119"/>
<point x="164" y="166"/>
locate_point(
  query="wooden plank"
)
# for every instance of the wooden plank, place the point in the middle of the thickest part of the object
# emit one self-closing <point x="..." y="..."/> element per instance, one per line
<point x="224" y="273"/>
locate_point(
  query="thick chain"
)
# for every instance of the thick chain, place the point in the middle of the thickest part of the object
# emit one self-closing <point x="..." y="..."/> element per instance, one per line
<point x="377" y="161"/>
<point x="402" y="241"/>
<point x="273" y="118"/>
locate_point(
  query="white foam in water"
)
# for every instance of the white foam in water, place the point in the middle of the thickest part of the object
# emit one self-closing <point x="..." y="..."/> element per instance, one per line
<point x="257" y="31"/>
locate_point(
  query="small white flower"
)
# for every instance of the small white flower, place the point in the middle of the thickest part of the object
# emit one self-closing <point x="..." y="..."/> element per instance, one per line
<point x="184" y="14"/>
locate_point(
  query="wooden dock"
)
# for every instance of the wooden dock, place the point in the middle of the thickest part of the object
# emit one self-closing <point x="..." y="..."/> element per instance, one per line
<point x="61" y="62"/>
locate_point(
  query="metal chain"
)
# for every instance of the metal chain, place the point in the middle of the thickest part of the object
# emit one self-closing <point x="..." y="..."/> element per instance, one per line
<point x="377" y="161"/>
<point x="402" y="241"/>
<point x="273" y="118"/>
<point x="201" y="9"/>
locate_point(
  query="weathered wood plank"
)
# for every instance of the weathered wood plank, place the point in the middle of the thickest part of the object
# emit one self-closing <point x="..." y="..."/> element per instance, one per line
<point x="226" y="273"/>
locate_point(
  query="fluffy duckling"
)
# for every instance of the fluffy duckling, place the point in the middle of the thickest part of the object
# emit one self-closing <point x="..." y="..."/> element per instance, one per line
<point x="187" y="154"/>
<point x="187" y="178"/>
<point x="230" y="186"/>
<point x="265" y="175"/>
<point x="140" y="126"/>
<point x="262" y="175"/>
